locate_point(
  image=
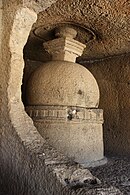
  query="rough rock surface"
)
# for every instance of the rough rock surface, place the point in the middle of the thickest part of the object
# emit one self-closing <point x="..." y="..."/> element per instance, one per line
<point x="109" y="20"/>
<point x="74" y="176"/>
<point x="38" y="5"/>
<point x="22" y="168"/>
<point x="116" y="173"/>
<point x="115" y="179"/>
<point x="61" y="83"/>
<point x="113" y="78"/>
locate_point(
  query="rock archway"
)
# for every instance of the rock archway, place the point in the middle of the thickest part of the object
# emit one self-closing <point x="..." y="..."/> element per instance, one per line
<point x="27" y="161"/>
<point x="22" y="154"/>
<point x="23" y="21"/>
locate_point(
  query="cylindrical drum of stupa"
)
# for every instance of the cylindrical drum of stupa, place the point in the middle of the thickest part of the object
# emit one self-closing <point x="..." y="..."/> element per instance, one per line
<point x="63" y="99"/>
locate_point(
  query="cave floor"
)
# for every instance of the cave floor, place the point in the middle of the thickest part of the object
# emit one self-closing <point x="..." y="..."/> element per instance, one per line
<point x="115" y="173"/>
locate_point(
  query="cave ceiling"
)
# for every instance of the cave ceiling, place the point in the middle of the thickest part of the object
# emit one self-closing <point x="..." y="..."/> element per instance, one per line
<point x="103" y="25"/>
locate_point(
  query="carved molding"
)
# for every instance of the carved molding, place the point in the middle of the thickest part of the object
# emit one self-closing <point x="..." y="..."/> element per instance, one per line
<point x="64" y="113"/>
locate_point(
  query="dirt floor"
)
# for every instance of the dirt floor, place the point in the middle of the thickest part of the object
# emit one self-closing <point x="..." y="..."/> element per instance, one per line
<point x="116" y="173"/>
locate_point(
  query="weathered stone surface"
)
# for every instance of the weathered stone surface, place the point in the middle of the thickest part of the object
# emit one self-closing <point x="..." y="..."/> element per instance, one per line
<point x="64" y="48"/>
<point x="21" y="169"/>
<point x="61" y="81"/>
<point x="62" y="89"/>
<point x="115" y="173"/>
<point x="38" y="5"/>
<point x="64" y="113"/>
<point x="113" y="76"/>
<point x="79" y="136"/>
<point x="20" y="142"/>
<point x="58" y="86"/>
<point x="74" y="175"/>
<point x="72" y="139"/>
<point x="22" y="159"/>
<point x="109" y="20"/>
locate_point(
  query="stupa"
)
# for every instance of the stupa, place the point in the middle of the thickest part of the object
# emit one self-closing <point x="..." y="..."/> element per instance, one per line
<point x="63" y="99"/>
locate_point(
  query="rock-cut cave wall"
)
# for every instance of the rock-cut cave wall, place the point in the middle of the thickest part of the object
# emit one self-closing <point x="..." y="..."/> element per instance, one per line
<point x="113" y="77"/>
<point x="107" y="58"/>
<point x="23" y="167"/>
<point x="28" y="165"/>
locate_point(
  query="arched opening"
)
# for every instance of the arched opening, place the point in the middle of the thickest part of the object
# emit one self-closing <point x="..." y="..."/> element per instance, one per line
<point x="23" y="125"/>
<point x="22" y="23"/>
<point x="28" y="163"/>
<point x="32" y="159"/>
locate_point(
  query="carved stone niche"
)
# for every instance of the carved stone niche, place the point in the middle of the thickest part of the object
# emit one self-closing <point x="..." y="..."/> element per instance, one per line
<point x="63" y="99"/>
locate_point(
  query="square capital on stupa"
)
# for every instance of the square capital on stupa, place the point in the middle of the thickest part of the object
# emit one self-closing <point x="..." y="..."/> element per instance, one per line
<point x="65" y="47"/>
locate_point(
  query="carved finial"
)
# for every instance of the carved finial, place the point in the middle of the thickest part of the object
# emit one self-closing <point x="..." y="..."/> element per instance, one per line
<point x="65" y="32"/>
<point x="64" y="47"/>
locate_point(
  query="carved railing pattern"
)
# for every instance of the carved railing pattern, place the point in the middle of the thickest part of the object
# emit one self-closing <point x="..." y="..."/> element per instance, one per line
<point x="65" y="113"/>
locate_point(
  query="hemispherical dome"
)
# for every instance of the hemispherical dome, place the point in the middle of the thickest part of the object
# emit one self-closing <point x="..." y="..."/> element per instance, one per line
<point x="62" y="83"/>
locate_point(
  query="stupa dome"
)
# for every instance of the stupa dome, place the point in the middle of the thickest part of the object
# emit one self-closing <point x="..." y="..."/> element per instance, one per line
<point x="62" y="83"/>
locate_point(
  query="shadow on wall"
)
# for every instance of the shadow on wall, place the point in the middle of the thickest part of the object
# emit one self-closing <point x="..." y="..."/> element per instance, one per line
<point x="112" y="75"/>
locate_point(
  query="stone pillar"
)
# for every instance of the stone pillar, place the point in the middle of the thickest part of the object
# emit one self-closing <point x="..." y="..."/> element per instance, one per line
<point x="63" y="99"/>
